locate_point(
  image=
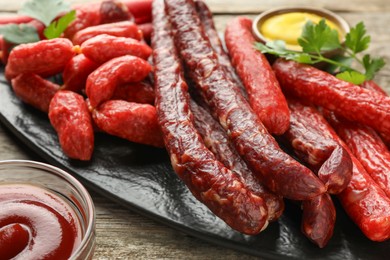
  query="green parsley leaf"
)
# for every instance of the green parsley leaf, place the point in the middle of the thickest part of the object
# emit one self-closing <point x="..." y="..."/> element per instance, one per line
<point x="44" y="10"/>
<point x="278" y="48"/>
<point x="354" y="77"/>
<point x="357" y="40"/>
<point x="19" y="33"/>
<point x="342" y="64"/>
<point x="318" y="37"/>
<point x="372" y="65"/>
<point x="56" y="28"/>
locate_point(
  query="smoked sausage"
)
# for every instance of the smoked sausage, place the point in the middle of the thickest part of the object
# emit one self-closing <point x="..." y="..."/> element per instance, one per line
<point x="277" y="170"/>
<point x="209" y="181"/>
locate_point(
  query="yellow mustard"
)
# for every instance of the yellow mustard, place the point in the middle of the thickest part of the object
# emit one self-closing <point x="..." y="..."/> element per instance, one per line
<point x="288" y="27"/>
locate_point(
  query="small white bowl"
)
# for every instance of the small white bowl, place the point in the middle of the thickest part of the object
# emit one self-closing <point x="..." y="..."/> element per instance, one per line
<point x="336" y="19"/>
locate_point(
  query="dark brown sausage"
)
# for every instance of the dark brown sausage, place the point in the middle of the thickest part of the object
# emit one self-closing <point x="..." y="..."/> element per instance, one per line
<point x="318" y="219"/>
<point x="277" y="170"/>
<point x="209" y="181"/>
<point x="368" y="148"/>
<point x="216" y="140"/>
<point x="206" y="18"/>
<point x="316" y="143"/>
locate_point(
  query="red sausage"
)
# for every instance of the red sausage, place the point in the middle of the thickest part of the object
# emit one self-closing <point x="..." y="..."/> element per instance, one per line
<point x="147" y="30"/>
<point x="131" y="121"/>
<point x="209" y="181"/>
<point x="139" y="92"/>
<point x="93" y="14"/>
<point x="105" y="47"/>
<point x="15" y="19"/>
<point x="34" y="90"/>
<point x="371" y="85"/>
<point x="102" y="82"/>
<point x="112" y="11"/>
<point x="86" y="16"/>
<point x="318" y="219"/>
<point x="363" y="200"/>
<point x="45" y="58"/>
<point x="265" y="95"/>
<point x="277" y="170"/>
<point x="216" y="140"/>
<point x="315" y="142"/>
<point x="367" y="204"/>
<point x="141" y="9"/>
<point x="69" y="115"/>
<point x="121" y="29"/>
<point x="76" y="73"/>
<point x="368" y="148"/>
<point x="343" y="98"/>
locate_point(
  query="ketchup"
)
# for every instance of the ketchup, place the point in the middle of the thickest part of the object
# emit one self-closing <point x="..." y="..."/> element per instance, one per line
<point x="36" y="223"/>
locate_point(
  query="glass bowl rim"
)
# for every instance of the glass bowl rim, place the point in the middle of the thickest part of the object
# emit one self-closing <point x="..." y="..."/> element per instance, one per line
<point x="90" y="230"/>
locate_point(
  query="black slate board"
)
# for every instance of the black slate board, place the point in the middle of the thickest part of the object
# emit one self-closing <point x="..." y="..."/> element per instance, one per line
<point x="141" y="178"/>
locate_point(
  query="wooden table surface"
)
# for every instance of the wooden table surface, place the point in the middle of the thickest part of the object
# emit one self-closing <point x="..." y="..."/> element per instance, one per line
<point x="124" y="234"/>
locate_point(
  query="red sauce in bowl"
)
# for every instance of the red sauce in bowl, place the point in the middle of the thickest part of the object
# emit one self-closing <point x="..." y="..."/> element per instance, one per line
<point x="36" y="223"/>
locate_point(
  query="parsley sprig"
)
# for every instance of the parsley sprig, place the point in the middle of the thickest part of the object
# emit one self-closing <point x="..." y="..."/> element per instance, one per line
<point x="319" y="38"/>
<point x="45" y="11"/>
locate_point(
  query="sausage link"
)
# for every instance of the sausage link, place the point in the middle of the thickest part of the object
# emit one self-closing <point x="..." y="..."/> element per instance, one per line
<point x="69" y="115"/>
<point x="76" y="73"/>
<point x="105" y="47"/>
<point x="216" y="140"/>
<point x="139" y="92"/>
<point x="121" y="29"/>
<point x="366" y="204"/>
<point x="86" y="16"/>
<point x="277" y="170"/>
<point x="45" y="58"/>
<point x="315" y="142"/>
<point x="34" y="90"/>
<point x="209" y="181"/>
<point x="141" y="9"/>
<point x="206" y="17"/>
<point x="102" y="82"/>
<point x="146" y="29"/>
<point x="368" y="148"/>
<point x="131" y="121"/>
<point x="363" y="200"/>
<point x="343" y="98"/>
<point x="265" y="95"/>
<point x="318" y="219"/>
<point x="93" y="14"/>
<point x="112" y="11"/>
<point x="371" y="85"/>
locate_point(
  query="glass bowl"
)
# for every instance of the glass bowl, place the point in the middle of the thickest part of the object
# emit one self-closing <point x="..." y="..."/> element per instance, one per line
<point x="60" y="184"/>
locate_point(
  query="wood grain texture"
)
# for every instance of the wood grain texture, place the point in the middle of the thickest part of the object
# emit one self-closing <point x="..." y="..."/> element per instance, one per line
<point x="124" y="234"/>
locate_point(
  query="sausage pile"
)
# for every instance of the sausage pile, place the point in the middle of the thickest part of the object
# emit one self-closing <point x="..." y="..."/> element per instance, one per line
<point x="102" y="60"/>
<point x="223" y="117"/>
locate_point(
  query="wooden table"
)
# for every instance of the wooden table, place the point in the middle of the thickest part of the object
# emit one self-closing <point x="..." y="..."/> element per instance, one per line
<point x="124" y="234"/>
